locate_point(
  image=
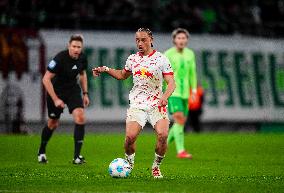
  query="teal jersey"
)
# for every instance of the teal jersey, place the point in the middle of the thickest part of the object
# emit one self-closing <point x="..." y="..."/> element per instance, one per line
<point x="184" y="68"/>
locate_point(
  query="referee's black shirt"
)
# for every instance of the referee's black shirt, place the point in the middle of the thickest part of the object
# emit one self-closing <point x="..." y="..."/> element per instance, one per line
<point x="66" y="70"/>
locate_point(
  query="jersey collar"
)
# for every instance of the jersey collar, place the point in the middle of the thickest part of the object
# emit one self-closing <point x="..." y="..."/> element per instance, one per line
<point x="151" y="54"/>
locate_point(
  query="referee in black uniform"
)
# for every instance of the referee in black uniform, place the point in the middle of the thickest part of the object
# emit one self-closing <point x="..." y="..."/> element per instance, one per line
<point x="61" y="83"/>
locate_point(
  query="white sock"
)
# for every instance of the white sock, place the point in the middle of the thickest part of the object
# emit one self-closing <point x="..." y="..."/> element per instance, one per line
<point x="130" y="159"/>
<point x="157" y="161"/>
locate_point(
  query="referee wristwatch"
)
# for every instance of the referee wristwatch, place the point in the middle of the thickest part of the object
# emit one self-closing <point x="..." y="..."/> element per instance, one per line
<point x="85" y="93"/>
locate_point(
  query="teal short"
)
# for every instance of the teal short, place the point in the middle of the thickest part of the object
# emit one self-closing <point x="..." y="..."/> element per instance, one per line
<point x="177" y="104"/>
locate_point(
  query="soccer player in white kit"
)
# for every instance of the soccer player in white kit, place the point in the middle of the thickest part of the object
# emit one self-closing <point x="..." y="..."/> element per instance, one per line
<point x="149" y="69"/>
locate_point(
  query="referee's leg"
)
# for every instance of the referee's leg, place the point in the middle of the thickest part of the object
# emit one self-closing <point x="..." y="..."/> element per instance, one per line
<point x="47" y="131"/>
<point x="79" y="132"/>
<point x="46" y="134"/>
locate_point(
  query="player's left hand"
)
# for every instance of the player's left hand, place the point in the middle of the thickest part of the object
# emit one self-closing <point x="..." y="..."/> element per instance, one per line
<point x="193" y="97"/>
<point x="163" y="101"/>
<point x="86" y="100"/>
<point x="96" y="72"/>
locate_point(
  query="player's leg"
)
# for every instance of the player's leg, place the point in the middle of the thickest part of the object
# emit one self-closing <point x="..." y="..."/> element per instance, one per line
<point x="135" y="121"/>
<point x="179" y="112"/>
<point x="176" y="109"/>
<point x="175" y="106"/>
<point x="159" y="119"/>
<point x="178" y="130"/>
<point x="47" y="131"/>
<point x="180" y="121"/>
<point x="161" y="129"/>
<point x="79" y="133"/>
<point x="75" y="105"/>
<point x="46" y="134"/>
<point x="132" y="131"/>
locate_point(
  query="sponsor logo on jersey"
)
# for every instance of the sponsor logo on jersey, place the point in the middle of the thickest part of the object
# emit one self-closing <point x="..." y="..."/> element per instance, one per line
<point x="74" y="67"/>
<point x="144" y="73"/>
<point x="51" y="64"/>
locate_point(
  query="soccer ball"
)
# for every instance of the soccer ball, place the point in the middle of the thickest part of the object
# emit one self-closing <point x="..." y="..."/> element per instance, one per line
<point x="119" y="168"/>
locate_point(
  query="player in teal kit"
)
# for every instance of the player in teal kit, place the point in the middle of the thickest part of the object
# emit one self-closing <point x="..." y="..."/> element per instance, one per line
<point x="182" y="60"/>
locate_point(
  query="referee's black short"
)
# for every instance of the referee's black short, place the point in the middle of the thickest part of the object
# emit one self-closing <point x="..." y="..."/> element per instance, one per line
<point x="72" y="98"/>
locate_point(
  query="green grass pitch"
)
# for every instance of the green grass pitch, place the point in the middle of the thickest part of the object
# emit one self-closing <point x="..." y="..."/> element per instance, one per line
<point x="222" y="162"/>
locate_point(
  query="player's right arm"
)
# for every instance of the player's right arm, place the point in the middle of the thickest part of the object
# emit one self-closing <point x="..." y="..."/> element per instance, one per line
<point x="46" y="80"/>
<point x="117" y="74"/>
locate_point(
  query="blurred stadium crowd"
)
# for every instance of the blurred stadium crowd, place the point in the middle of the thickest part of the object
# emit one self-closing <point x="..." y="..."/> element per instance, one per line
<point x="250" y="17"/>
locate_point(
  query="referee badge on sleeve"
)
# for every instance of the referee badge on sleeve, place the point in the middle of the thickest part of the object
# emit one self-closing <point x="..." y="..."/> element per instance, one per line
<point x="51" y="64"/>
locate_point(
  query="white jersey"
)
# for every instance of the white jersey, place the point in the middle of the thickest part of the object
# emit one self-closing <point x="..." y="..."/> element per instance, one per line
<point x="148" y="72"/>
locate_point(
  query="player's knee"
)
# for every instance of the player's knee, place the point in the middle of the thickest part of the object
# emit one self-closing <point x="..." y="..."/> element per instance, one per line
<point x="179" y="118"/>
<point x="181" y="121"/>
<point x="162" y="136"/>
<point x="79" y="117"/>
<point x="52" y="124"/>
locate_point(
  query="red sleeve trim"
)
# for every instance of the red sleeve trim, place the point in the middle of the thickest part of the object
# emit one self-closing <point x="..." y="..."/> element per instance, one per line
<point x="168" y="73"/>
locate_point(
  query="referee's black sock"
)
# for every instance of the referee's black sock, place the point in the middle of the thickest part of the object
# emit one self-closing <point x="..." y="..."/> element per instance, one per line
<point x="45" y="136"/>
<point x="79" y="133"/>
